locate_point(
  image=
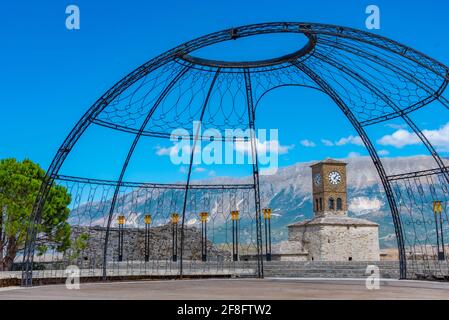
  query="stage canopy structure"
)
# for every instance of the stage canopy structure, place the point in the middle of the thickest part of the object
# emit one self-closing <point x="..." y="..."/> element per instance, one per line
<point x="370" y="79"/>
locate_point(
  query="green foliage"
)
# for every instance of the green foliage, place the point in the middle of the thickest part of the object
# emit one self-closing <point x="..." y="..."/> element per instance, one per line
<point x="78" y="245"/>
<point x="19" y="186"/>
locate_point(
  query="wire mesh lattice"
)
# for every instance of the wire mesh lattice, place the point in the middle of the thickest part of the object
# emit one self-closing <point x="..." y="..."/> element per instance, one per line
<point x="88" y="222"/>
<point x="426" y="232"/>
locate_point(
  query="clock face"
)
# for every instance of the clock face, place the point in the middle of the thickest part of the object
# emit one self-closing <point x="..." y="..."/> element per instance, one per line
<point x="317" y="179"/>
<point x="334" y="177"/>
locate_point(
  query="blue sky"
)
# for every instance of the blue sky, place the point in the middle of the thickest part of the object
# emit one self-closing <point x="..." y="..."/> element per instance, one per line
<point x="51" y="76"/>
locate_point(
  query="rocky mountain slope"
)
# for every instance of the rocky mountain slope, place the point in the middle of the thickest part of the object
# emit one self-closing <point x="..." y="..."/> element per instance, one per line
<point x="288" y="193"/>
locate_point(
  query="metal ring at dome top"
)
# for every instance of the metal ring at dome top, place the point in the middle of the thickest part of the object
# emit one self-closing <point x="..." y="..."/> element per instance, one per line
<point x="304" y="51"/>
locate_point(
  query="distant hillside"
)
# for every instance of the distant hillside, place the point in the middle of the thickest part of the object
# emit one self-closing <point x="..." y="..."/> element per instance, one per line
<point x="288" y="193"/>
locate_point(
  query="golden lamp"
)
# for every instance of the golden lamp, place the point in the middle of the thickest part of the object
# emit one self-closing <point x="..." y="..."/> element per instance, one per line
<point x="121" y="220"/>
<point x="266" y="213"/>
<point x="174" y="218"/>
<point x="204" y="216"/>
<point x="437" y="207"/>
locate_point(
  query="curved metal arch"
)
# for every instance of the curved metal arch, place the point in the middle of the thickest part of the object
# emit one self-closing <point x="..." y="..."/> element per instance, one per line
<point x="281" y="86"/>
<point x="392" y="105"/>
<point x="65" y="148"/>
<point x="374" y="156"/>
<point x="192" y="154"/>
<point x="385" y="63"/>
<point x="128" y="158"/>
<point x="384" y="43"/>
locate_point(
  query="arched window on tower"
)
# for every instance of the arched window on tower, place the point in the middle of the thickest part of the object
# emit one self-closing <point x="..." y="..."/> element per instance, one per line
<point x="321" y="204"/>
<point x="339" y="204"/>
<point x="316" y="204"/>
<point x="331" y="204"/>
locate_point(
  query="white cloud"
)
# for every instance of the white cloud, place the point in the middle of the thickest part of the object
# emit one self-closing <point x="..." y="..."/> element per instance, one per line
<point x="353" y="155"/>
<point x="174" y="150"/>
<point x="307" y="143"/>
<point x="399" y="139"/>
<point x="212" y="173"/>
<point x="262" y="147"/>
<point x="356" y="140"/>
<point x="161" y="151"/>
<point x="383" y="152"/>
<point x="327" y="143"/>
<point x="439" y="138"/>
<point x="364" y="205"/>
<point x="191" y="222"/>
<point x="184" y="169"/>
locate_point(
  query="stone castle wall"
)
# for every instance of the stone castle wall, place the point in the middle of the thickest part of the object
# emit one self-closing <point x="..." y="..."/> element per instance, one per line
<point x="134" y="244"/>
<point x="338" y="242"/>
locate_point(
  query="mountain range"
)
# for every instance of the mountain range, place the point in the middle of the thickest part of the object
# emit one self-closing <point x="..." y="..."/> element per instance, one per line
<point x="288" y="193"/>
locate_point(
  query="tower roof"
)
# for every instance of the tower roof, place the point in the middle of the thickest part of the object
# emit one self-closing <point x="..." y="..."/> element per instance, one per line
<point x="329" y="161"/>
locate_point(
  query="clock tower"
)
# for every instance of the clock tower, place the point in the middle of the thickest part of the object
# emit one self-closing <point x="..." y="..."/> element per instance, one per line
<point x="329" y="188"/>
<point x="331" y="235"/>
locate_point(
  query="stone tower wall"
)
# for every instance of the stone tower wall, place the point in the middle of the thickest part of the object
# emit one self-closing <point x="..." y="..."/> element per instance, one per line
<point x="338" y="243"/>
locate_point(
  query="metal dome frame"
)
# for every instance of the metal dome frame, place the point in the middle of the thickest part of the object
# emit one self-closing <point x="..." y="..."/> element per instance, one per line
<point x="331" y="36"/>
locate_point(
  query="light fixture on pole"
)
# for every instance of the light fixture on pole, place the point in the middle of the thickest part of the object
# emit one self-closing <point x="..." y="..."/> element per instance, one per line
<point x="121" y="224"/>
<point x="235" y="235"/>
<point x="174" y="221"/>
<point x="203" y="218"/>
<point x="147" y="220"/>
<point x="438" y="213"/>
<point x="267" y="219"/>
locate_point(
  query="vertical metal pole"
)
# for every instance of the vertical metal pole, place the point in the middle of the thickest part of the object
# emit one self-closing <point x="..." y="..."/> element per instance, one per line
<point x="438" y="235"/>
<point x="438" y="210"/>
<point x="147" y="243"/>
<point x="120" y="243"/>
<point x="266" y="238"/>
<point x="234" y="256"/>
<point x="202" y="240"/>
<point x="442" y="237"/>
<point x="237" y="240"/>
<point x="205" y="240"/>
<point x="175" y="243"/>
<point x="269" y="239"/>
<point x="251" y="118"/>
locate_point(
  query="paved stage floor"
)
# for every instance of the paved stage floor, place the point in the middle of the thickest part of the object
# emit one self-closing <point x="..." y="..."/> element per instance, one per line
<point x="237" y="289"/>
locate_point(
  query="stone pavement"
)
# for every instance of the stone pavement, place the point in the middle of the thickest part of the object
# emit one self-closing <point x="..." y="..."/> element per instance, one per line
<point x="237" y="289"/>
